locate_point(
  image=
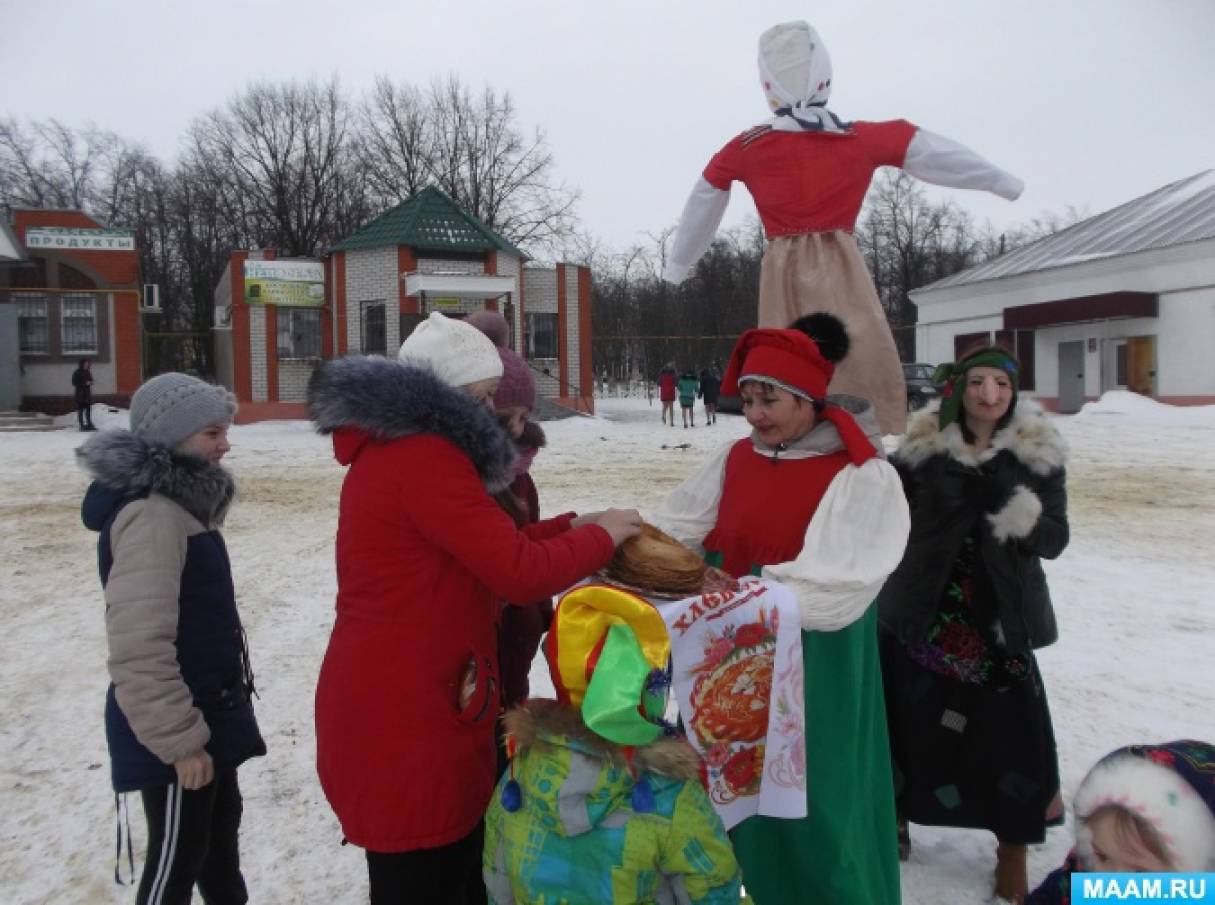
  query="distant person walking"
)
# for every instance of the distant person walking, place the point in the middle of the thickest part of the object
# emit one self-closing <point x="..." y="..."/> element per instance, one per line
<point x="82" y="384"/>
<point x="710" y="389"/>
<point x="689" y="389"/>
<point x="667" y="381"/>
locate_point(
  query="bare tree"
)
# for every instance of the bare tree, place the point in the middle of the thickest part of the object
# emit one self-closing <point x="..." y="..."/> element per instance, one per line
<point x="284" y="148"/>
<point x="48" y="164"/>
<point x="909" y="242"/>
<point x="471" y="147"/>
<point x="393" y="141"/>
<point x="992" y="242"/>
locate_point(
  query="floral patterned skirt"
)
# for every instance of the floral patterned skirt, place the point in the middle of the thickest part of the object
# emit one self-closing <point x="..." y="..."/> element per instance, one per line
<point x="969" y="724"/>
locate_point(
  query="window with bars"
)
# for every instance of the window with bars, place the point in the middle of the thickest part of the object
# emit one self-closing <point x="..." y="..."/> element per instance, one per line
<point x="375" y="329"/>
<point x="78" y="323"/>
<point x="299" y="333"/>
<point x="33" y="331"/>
<point x="541" y="335"/>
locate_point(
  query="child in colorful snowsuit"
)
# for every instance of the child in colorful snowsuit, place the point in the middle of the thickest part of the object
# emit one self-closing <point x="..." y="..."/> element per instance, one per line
<point x="808" y="172"/>
<point x="602" y="803"/>
<point x="178" y="714"/>
<point x="689" y="389"/>
<point x="1143" y="808"/>
<point x="809" y="501"/>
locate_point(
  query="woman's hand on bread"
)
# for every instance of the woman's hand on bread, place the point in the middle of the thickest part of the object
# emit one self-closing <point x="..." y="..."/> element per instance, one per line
<point x="621" y="524"/>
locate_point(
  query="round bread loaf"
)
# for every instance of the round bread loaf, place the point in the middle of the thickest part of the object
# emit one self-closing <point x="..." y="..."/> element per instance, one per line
<point x="656" y="561"/>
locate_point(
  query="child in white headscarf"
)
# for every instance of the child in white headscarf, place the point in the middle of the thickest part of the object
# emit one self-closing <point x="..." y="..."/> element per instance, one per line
<point x="808" y="172"/>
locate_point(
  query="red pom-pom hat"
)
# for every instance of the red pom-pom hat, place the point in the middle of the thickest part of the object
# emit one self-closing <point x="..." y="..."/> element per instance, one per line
<point x="792" y="358"/>
<point x="787" y="356"/>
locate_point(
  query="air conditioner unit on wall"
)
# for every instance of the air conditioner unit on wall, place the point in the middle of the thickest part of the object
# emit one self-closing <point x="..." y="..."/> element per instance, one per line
<point x="150" y="303"/>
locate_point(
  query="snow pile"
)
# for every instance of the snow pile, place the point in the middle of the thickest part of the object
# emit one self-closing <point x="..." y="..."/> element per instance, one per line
<point x="1132" y="593"/>
<point x="1146" y="409"/>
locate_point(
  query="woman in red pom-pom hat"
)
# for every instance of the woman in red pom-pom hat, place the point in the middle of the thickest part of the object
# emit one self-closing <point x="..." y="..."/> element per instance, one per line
<point x="809" y="500"/>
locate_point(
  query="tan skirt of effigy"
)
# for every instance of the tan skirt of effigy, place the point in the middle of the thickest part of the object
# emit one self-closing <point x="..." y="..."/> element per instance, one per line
<point x="825" y="272"/>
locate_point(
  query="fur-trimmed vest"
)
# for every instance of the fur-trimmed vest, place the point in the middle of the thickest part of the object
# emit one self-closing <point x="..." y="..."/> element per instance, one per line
<point x="576" y="835"/>
<point x="177" y="657"/>
<point x="1011" y="497"/>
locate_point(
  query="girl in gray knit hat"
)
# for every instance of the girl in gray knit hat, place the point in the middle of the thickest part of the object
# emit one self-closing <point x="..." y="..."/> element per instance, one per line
<point x="178" y="714"/>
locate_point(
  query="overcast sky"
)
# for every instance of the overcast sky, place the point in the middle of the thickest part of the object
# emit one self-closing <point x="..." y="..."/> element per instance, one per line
<point x="1091" y="102"/>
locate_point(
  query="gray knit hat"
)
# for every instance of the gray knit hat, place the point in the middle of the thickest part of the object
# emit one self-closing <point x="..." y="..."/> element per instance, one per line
<point x="171" y="408"/>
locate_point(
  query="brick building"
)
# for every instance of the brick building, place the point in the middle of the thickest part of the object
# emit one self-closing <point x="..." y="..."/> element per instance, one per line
<point x="426" y="254"/>
<point x="72" y="291"/>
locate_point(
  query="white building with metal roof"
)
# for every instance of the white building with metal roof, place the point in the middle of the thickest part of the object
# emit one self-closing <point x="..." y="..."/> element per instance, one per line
<point x="1122" y="300"/>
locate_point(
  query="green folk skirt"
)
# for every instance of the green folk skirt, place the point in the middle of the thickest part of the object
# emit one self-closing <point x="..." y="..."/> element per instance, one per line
<point x="845" y="850"/>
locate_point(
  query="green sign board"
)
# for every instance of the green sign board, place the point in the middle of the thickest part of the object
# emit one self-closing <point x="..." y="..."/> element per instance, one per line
<point x="289" y="283"/>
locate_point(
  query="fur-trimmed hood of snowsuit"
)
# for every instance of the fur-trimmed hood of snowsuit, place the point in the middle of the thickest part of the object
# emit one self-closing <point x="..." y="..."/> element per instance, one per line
<point x="383" y="399"/>
<point x="1011" y="498"/>
<point x="536" y="723"/>
<point x="578" y="834"/>
<point x="1029" y="436"/>
<point x="125" y="466"/>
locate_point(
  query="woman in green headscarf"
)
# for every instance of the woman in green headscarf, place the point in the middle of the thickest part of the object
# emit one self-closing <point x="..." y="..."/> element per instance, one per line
<point x="970" y="729"/>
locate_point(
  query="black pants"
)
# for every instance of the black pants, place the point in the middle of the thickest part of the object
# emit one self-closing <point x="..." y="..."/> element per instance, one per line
<point x="192" y="838"/>
<point x="84" y="410"/>
<point x="450" y="874"/>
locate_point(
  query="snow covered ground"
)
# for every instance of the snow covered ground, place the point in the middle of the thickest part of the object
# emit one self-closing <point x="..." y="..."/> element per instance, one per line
<point x="1133" y="594"/>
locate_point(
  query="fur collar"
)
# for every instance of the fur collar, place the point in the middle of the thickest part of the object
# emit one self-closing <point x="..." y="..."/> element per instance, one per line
<point x="541" y="722"/>
<point x="1030" y="437"/>
<point x="387" y="399"/>
<point x="130" y="467"/>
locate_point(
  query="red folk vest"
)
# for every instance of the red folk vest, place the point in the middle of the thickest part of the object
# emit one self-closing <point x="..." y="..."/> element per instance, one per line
<point x="766" y="506"/>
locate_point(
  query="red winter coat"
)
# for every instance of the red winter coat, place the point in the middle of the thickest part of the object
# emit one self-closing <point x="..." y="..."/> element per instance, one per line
<point x="667" y="381"/>
<point x="424" y="555"/>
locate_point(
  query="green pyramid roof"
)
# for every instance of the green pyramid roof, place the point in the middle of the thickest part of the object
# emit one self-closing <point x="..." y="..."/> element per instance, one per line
<point x="427" y="220"/>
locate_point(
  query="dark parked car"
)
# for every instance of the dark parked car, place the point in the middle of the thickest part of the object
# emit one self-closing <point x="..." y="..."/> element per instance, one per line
<point x="921" y="389"/>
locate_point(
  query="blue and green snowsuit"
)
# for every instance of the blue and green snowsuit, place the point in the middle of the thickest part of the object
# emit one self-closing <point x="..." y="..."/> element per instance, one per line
<point x="576" y="837"/>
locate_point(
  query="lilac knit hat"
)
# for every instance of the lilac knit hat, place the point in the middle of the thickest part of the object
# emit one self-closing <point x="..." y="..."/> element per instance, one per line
<point x="493" y="324"/>
<point x="517" y="386"/>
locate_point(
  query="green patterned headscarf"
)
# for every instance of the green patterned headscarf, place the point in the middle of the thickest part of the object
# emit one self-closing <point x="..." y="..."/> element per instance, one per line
<point x="953" y="375"/>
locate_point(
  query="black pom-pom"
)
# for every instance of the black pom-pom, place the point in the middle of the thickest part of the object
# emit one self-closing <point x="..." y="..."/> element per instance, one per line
<point x="828" y="333"/>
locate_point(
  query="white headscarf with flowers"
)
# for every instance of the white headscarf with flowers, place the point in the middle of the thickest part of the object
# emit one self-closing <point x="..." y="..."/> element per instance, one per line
<point x="795" y="73"/>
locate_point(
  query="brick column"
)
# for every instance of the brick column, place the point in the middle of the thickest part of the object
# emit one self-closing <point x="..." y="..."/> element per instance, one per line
<point x="586" y="375"/>
<point x="339" y="300"/>
<point x="242" y="372"/>
<point x="562" y="341"/>
<point x="407" y="262"/>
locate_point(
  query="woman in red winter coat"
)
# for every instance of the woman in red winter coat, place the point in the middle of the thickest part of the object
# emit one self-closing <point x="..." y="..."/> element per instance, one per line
<point x="408" y="692"/>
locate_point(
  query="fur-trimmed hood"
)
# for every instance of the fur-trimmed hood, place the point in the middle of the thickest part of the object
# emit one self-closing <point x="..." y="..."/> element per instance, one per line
<point x="125" y="467"/>
<point x="377" y="399"/>
<point x="1030" y="437"/>
<point x="538" y="722"/>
